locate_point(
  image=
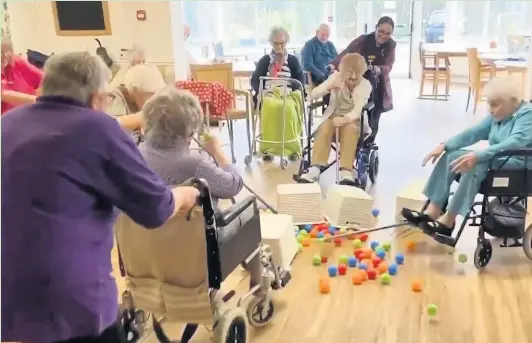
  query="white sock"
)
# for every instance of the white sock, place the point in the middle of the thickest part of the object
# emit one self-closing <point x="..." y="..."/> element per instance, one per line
<point x="313" y="173"/>
<point x="346" y="175"/>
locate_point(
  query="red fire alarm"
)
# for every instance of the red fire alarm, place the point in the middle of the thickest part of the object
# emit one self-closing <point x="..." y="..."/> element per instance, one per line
<point x="141" y="15"/>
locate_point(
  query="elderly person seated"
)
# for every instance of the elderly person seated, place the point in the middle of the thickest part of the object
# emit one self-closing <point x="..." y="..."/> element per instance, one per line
<point x="317" y="55"/>
<point x="66" y="167"/>
<point x="507" y="126"/>
<point x="350" y="92"/>
<point x="140" y="83"/>
<point x="171" y="119"/>
<point x="20" y="79"/>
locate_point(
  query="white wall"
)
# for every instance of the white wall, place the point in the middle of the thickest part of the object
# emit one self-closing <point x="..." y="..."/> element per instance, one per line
<point x="32" y="27"/>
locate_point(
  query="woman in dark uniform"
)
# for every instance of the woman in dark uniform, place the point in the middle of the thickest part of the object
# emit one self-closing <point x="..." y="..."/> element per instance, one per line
<point x="379" y="51"/>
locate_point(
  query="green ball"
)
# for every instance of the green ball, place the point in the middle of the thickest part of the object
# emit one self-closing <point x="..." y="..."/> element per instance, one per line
<point x="316" y="260"/>
<point x="357" y="244"/>
<point x="387" y="246"/>
<point x="462" y="258"/>
<point x="342" y="259"/>
<point x="299" y="247"/>
<point x="386" y="279"/>
<point x="303" y="233"/>
<point x="432" y="310"/>
<point x="380" y="249"/>
<point x="321" y="240"/>
<point x="300" y="238"/>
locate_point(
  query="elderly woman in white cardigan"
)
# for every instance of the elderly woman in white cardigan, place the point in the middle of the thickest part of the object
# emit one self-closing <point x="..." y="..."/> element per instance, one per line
<point x="350" y="92"/>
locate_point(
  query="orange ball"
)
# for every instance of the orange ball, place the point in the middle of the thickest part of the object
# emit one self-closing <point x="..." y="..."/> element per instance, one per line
<point x="313" y="234"/>
<point x="356" y="279"/>
<point x="363" y="274"/>
<point x="417" y="287"/>
<point x="411" y="246"/>
<point x="383" y="267"/>
<point x="305" y="242"/>
<point x="327" y="235"/>
<point x="325" y="287"/>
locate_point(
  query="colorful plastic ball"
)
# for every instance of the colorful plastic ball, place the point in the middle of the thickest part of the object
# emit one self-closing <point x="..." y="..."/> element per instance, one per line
<point x="332" y="270"/>
<point x="307" y="227"/>
<point x="376" y="261"/>
<point x="342" y="259"/>
<point x="432" y="310"/>
<point x="411" y="246"/>
<point x="296" y="229"/>
<point x="362" y="266"/>
<point x="417" y="287"/>
<point x="332" y="230"/>
<point x="392" y="269"/>
<point x="375" y="212"/>
<point x="313" y="234"/>
<point x="324" y="259"/>
<point x="320" y="234"/>
<point x="372" y="274"/>
<point x="338" y="242"/>
<point x="299" y="247"/>
<point x="358" y="254"/>
<point x="306" y="242"/>
<point x="325" y="287"/>
<point x="399" y="259"/>
<point x="303" y="233"/>
<point x="381" y="254"/>
<point x="300" y="238"/>
<point x="357" y="279"/>
<point x="386" y="279"/>
<point x="342" y="230"/>
<point x="387" y="246"/>
<point x="383" y="267"/>
<point x="357" y="244"/>
<point x="364" y="237"/>
<point x="462" y="258"/>
<point x="373" y="245"/>
<point x="316" y="260"/>
<point x="380" y="249"/>
<point x="363" y="274"/>
<point x="352" y="261"/>
<point x="342" y="269"/>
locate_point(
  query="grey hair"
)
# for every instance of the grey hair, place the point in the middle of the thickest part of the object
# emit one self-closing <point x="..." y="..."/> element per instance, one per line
<point x="276" y="30"/>
<point x="503" y="88"/>
<point x="170" y="116"/>
<point x="134" y="52"/>
<point x="76" y="75"/>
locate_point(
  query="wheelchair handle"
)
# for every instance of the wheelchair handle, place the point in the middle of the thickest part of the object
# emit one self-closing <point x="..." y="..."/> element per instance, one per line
<point x="286" y="81"/>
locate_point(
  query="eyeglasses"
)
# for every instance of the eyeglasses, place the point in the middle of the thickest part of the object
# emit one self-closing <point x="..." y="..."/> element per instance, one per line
<point x="384" y="33"/>
<point x="278" y="43"/>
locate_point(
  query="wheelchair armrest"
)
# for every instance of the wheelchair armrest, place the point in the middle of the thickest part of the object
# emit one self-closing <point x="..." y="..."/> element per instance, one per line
<point x="316" y="104"/>
<point x="513" y="152"/>
<point x="226" y="216"/>
<point x="369" y="106"/>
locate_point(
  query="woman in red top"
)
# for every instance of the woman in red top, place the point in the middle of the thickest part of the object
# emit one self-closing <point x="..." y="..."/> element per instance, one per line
<point x="20" y="79"/>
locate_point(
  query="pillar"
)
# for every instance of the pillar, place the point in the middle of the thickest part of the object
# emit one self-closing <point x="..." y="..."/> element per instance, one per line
<point x="180" y="56"/>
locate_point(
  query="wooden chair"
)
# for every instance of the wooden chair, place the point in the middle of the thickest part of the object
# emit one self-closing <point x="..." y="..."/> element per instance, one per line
<point x="223" y="74"/>
<point x="477" y="78"/>
<point x="432" y="69"/>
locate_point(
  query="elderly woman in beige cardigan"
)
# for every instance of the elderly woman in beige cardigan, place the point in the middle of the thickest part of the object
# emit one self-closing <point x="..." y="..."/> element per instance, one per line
<point x="350" y="92"/>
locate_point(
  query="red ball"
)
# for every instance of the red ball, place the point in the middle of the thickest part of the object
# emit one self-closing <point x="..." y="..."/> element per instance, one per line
<point x="324" y="259"/>
<point x="338" y="242"/>
<point x="342" y="269"/>
<point x="358" y="254"/>
<point x="363" y="237"/>
<point x="372" y="274"/>
<point x="376" y="261"/>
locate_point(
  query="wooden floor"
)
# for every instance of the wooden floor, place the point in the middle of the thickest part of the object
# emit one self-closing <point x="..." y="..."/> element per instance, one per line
<point x="494" y="306"/>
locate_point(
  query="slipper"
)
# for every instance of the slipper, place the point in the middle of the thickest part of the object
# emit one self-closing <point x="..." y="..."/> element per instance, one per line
<point x="432" y="228"/>
<point x="415" y="217"/>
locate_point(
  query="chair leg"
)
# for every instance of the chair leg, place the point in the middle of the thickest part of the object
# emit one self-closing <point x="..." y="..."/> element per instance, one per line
<point x="477" y="100"/>
<point x="447" y="84"/>
<point x="231" y="139"/>
<point x="422" y="84"/>
<point x="468" y="98"/>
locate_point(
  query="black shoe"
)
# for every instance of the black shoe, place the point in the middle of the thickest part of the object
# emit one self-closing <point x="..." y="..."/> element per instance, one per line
<point x="432" y="228"/>
<point x="267" y="157"/>
<point x="348" y="182"/>
<point x="445" y="239"/>
<point x="414" y="217"/>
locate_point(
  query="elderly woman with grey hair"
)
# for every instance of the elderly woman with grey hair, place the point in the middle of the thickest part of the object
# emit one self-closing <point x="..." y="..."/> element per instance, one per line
<point x="278" y="63"/>
<point x="66" y="167"/>
<point x="171" y="119"/>
<point x="507" y="126"/>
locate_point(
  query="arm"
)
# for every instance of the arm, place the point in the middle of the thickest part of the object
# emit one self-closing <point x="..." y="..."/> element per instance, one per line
<point x="323" y="89"/>
<point x="333" y="51"/>
<point x="131" y="122"/>
<point x="308" y="61"/>
<point x="31" y="73"/>
<point x="224" y="181"/>
<point x="354" y="46"/>
<point x="520" y="137"/>
<point x="470" y="136"/>
<point x="361" y="94"/>
<point x="17" y="99"/>
<point x="389" y="61"/>
<point x="260" y="70"/>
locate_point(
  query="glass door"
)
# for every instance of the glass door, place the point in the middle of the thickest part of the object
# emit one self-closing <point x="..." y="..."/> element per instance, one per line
<point x="401" y="12"/>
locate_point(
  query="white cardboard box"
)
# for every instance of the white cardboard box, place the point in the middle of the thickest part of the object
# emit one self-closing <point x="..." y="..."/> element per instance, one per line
<point x="410" y="197"/>
<point x="278" y="232"/>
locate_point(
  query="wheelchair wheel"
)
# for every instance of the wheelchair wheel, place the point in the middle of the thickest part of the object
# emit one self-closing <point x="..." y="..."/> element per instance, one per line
<point x="527" y="242"/>
<point x="232" y="326"/>
<point x="259" y="311"/>
<point x="483" y="254"/>
<point x="373" y="167"/>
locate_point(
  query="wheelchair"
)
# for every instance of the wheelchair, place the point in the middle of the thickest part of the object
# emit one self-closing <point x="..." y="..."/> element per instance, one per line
<point x="366" y="165"/>
<point x="502" y="211"/>
<point x="188" y="261"/>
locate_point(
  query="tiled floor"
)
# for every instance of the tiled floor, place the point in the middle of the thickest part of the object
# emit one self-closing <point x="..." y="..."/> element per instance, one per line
<point x="491" y="307"/>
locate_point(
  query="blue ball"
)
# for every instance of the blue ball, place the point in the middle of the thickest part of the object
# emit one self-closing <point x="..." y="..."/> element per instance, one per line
<point x="307" y="227"/>
<point x="375" y="212"/>
<point x="381" y="254"/>
<point x="320" y="234"/>
<point x="332" y="230"/>
<point x="332" y="271"/>
<point x="362" y="266"/>
<point x="374" y="244"/>
<point x="392" y="269"/>
<point x="399" y="259"/>
<point x="352" y="261"/>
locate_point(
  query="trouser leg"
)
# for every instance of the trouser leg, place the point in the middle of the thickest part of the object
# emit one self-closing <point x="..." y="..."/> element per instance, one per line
<point x="349" y="137"/>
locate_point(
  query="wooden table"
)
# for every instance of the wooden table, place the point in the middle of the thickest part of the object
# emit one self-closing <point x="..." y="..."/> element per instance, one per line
<point x="240" y="68"/>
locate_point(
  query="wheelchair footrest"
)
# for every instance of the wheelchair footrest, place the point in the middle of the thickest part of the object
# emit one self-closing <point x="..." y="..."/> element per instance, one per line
<point x="516" y="244"/>
<point x="443" y="239"/>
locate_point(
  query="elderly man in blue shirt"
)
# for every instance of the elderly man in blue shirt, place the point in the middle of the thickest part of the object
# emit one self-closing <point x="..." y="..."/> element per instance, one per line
<point x="66" y="167"/>
<point x="318" y="53"/>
